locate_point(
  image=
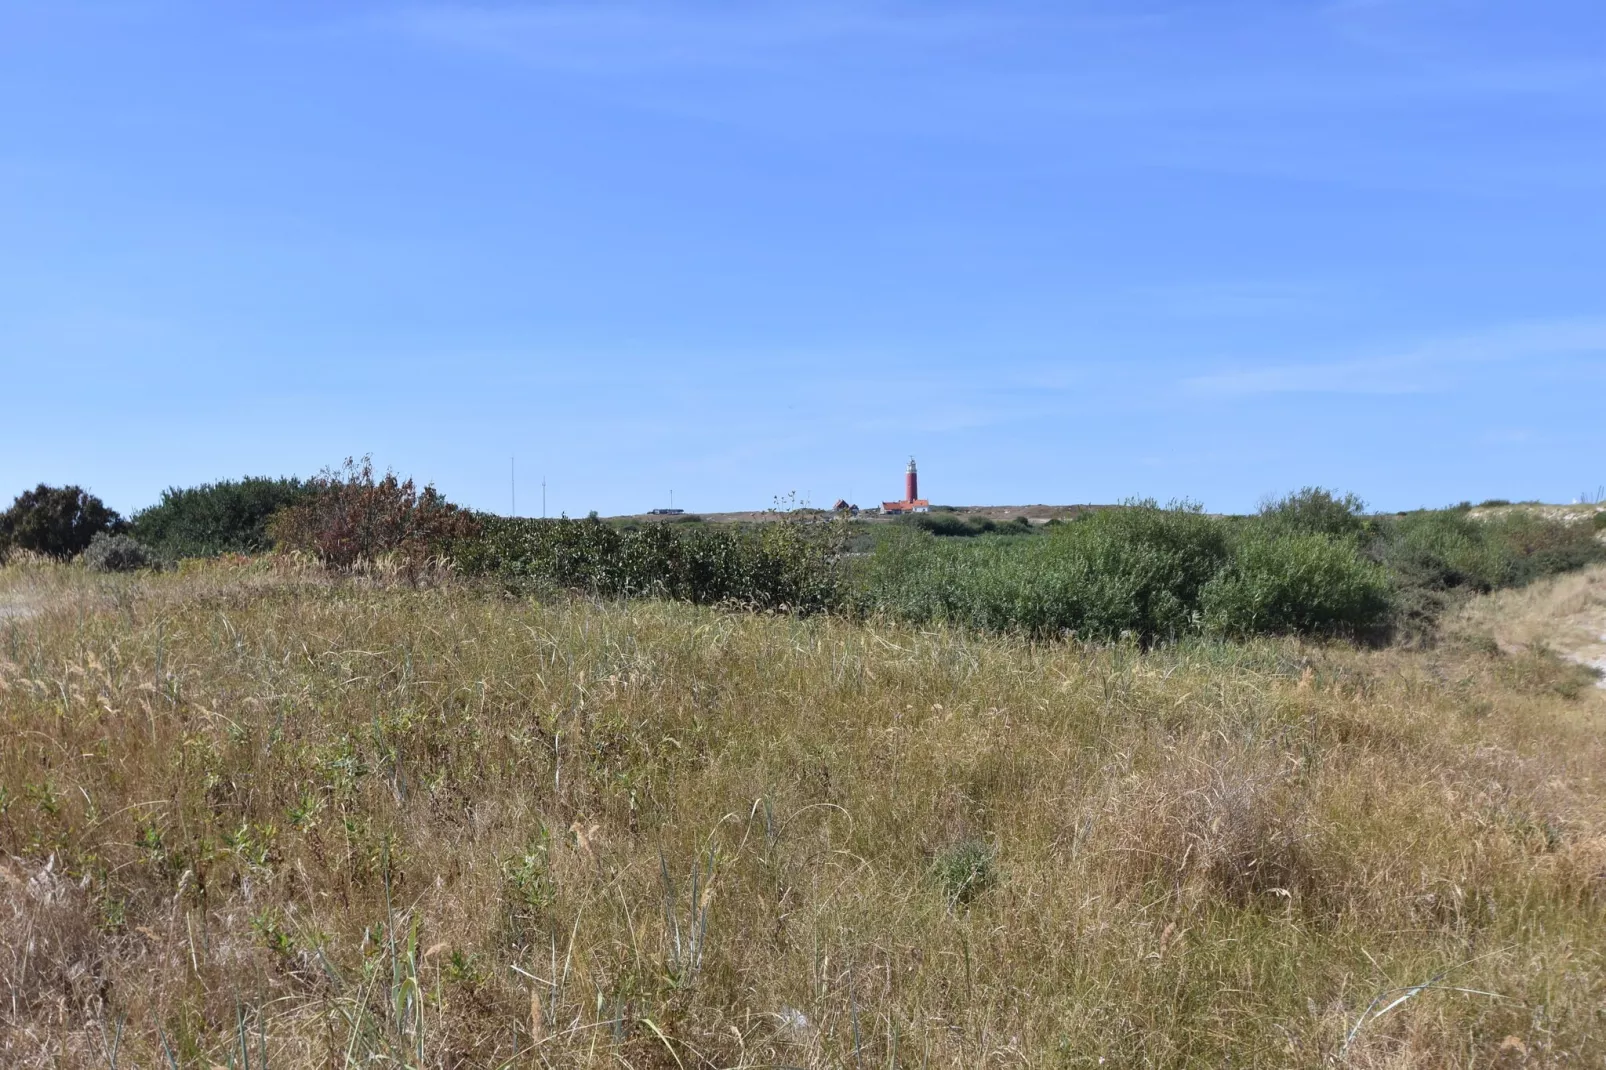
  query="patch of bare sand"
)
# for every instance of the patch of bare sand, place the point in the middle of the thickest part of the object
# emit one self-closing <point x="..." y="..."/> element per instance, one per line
<point x="1565" y="613"/>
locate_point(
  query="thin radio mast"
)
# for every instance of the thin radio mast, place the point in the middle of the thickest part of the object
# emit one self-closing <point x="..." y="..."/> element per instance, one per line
<point x="543" y="497"/>
<point x="512" y="489"/>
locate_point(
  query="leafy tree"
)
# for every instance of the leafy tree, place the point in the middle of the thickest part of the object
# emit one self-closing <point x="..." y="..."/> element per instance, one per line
<point x="58" y="521"/>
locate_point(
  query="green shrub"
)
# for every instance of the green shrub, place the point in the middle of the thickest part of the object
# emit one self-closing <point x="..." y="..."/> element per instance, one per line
<point x="115" y="553"/>
<point x="1136" y="570"/>
<point x="1316" y="511"/>
<point x="1533" y="546"/>
<point x="1437" y="557"/>
<point x="949" y="525"/>
<point x="1297" y="583"/>
<point x="1437" y="550"/>
<point x="228" y="516"/>
<point x="56" y="521"/>
<point x="1599" y="522"/>
<point x="349" y="516"/>
<point x="1445" y="549"/>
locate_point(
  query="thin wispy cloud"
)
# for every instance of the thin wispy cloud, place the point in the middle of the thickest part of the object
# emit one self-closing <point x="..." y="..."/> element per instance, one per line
<point x="1054" y="58"/>
<point x="1429" y="367"/>
<point x="1164" y="85"/>
<point x="611" y="38"/>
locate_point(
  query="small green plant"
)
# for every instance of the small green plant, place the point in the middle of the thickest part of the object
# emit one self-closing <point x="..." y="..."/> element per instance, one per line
<point x="688" y="936"/>
<point x="965" y="870"/>
<point x="268" y="925"/>
<point x="463" y="969"/>
<point x="528" y="891"/>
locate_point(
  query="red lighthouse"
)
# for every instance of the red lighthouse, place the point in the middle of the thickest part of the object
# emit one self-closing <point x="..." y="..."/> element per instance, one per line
<point x="912" y="501"/>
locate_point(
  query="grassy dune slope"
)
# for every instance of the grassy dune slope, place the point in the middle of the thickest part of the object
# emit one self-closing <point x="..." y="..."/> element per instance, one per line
<point x="1565" y="614"/>
<point x="248" y="814"/>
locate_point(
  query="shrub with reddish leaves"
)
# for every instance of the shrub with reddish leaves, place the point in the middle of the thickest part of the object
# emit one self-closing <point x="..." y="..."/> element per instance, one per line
<point x="351" y="517"/>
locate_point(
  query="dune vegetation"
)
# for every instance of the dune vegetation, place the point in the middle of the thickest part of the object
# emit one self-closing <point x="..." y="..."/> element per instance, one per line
<point x="256" y="814"/>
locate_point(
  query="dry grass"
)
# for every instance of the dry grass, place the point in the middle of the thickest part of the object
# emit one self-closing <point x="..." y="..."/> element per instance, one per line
<point x="249" y="816"/>
<point x="1565" y="614"/>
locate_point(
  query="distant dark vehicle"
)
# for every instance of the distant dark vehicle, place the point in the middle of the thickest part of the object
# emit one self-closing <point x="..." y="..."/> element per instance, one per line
<point x="665" y="512"/>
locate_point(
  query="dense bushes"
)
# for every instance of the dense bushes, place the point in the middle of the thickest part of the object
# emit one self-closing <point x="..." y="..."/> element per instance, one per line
<point x="788" y="563"/>
<point x="56" y="521"/>
<point x="1435" y="557"/>
<point x="1305" y="583"/>
<point x="215" y="518"/>
<point x="348" y="516"/>
<point x="1312" y="562"/>
<point x="1143" y="571"/>
<point x="1316" y="511"/>
<point x="947" y="524"/>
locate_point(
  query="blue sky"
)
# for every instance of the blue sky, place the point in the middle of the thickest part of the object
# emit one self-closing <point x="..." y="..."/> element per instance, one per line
<point x="1061" y="252"/>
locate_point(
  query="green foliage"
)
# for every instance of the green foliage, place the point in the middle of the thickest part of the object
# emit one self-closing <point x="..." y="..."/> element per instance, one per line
<point x="348" y="516"/>
<point x="1316" y="511"/>
<point x="1599" y="522"/>
<point x="1438" y="550"/>
<point x="228" y="516"/>
<point x="1135" y="571"/>
<point x="1146" y="572"/>
<point x="116" y="553"/>
<point x="965" y="870"/>
<point x="1532" y="546"/>
<point x="1280" y="582"/>
<point x="1445" y="549"/>
<point x="528" y="891"/>
<point x="56" y="521"/>
<point x="1435" y="557"/>
<point x="784" y="564"/>
<point x="945" y="523"/>
<point x="951" y="526"/>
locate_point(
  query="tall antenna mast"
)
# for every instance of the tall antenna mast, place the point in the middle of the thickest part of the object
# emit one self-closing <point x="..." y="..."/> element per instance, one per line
<point x="512" y="489"/>
<point x="543" y="497"/>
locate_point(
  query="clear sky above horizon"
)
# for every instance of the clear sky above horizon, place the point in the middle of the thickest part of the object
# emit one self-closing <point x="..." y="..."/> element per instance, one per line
<point x="1059" y="251"/>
